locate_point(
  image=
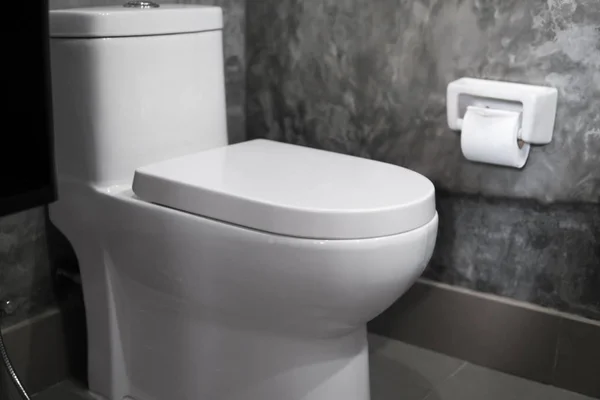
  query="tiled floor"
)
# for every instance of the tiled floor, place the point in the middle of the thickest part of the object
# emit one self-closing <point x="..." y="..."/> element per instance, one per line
<point x="64" y="391"/>
<point x="403" y="372"/>
<point x="400" y="371"/>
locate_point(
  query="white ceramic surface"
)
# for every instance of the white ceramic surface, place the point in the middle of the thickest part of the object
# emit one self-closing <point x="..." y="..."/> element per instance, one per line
<point x="537" y="103"/>
<point x="120" y="103"/>
<point x="103" y="22"/>
<point x="180" y="306"/>
<point x="292" y="190"/>
<point x="184" y="307"/>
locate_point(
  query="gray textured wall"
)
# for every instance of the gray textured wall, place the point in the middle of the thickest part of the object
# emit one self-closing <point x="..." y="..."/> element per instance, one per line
<point x="25" y="267"/>
<point x="368" y="77"/>
<point x="25" y="274"/>
<point x="544" y="254"/>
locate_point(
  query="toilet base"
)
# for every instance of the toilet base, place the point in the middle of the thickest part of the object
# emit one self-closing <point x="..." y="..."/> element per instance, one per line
<point x="223" y="364"/>
<point x="186" y="308"/>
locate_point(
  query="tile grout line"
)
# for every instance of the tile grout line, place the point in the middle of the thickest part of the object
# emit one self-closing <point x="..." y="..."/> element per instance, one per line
<point x="556" y="352"/>
<point x="460" y="368"/>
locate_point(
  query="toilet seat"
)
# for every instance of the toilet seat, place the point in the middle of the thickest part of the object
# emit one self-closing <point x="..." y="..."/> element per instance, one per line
<point x="291" y="190"/>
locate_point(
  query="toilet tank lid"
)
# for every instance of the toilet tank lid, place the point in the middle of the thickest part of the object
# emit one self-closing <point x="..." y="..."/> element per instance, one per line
<point x="118" y="21"/>
<point x="291" y="190"/>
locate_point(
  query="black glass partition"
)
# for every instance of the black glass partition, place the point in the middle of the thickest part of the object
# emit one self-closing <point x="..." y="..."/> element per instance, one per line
<point x="26" y="146"/>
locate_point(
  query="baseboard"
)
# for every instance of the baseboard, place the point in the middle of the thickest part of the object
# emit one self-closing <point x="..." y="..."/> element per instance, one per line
<point x="513" y="337"/>
<point x="38" y="350"/>
<point x="510" y="336"/>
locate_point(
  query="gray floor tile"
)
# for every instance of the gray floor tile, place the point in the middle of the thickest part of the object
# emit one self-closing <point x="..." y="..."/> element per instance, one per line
<point x="64" y="391"/>
<point x="393" y="381"/>
<point x="552" y="393"/>
<point x="578" y="357"/>
<point x="478" y="383"/>
<point x="433" y="367"/>
<point x="401" y="371"/>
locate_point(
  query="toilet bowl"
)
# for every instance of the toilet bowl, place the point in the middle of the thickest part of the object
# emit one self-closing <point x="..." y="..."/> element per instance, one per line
<point x="214" y="271"/>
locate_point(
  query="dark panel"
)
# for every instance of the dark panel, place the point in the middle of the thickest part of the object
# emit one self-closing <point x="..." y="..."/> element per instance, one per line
<point x="26" y="160"/>
<point x="578" y="358"/>
<point x="38" y="351"/>
<point x="486" y="332"/>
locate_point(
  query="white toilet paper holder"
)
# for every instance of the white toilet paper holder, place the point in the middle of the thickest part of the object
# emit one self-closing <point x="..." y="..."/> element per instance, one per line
<point x="536" y="103"/>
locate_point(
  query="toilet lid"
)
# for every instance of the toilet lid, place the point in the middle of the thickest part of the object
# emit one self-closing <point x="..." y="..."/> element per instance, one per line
<point x="291" y="190"/>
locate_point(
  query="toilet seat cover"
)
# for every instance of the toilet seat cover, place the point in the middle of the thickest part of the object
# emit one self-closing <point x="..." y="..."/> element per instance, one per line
<point x="291" y="190"/>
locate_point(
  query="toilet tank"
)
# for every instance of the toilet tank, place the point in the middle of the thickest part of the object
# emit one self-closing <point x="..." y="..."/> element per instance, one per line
<point x="133" y="86"/>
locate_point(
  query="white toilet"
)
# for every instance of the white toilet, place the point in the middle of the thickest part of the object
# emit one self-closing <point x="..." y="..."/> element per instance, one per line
<point x="215" y="272"/>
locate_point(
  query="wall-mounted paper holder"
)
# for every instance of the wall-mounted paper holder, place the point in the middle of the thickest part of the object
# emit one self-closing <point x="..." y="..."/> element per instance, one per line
<point x="536" y="103"/>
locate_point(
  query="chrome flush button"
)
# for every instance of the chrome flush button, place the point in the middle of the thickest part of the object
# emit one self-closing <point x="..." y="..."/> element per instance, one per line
<point x="141" y="4"/>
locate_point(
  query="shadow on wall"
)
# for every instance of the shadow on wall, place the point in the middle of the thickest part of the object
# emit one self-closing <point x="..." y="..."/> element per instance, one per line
<point x="30" y="287"/>
<point x="544" y="254"/>
<point x="25" y="279"/>
<point x="69" y="296"/>
<point x="25" y="270"/>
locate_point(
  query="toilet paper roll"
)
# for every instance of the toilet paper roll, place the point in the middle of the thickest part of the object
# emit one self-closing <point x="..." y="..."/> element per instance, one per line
<point x="491" y="136"/>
